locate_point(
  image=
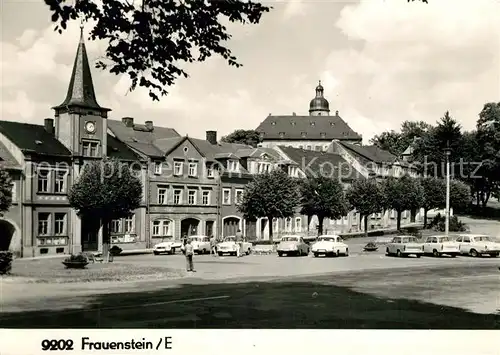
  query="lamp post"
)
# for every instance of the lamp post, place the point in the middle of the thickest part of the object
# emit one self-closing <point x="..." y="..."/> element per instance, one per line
<point x="447" y="153"/>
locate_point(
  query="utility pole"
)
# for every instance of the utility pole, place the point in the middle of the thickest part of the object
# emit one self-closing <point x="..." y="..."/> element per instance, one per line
<point x="447" y="152"/>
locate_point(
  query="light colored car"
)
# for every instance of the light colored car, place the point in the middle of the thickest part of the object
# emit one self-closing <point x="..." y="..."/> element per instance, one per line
<point x="405" y="245"/>
<point x="228" y="246"/>
<point x="167" y="247"/>
<point x="438" y="245"/>
<point x="330" y="245"/>
<point x="292" y="245"/>
<point x="200" y="243"/>
<point x="477" y="245"/>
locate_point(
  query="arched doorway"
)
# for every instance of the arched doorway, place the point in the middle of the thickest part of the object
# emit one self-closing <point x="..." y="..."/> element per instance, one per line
<point x="230" y="226"/>
<point x="189" y="226"/>
<point x="7" y="231"/>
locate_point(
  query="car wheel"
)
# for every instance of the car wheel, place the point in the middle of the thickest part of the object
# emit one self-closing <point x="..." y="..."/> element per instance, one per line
<point x="316" y="255"/>
<point x="280" y="253"/>
<point x="220" y="254"/>
<point x="474" y="253"/>
<point x="248" y="251"/>
<point x="418" y="255"/>
<point x="453" y="255"/>
<point x="156" y="253"/>
<point x="398" y="253"/>
<point x="436" y="253"/>
<point x="387" y="252"/>
<point x="337" y="254"/>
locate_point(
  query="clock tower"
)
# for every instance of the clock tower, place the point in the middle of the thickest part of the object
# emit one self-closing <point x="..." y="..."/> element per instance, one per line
<point x="80" y="123"/>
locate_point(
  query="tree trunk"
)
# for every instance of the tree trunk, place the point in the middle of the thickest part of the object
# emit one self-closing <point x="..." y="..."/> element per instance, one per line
<point x="366" y="226"/>
<point x="425" y="217"/>
<point x="320" y="225"/>
<point x="270" y="221"/>
<point x="105" y="240"/>
<point x="398" y="225"/>
<point x="478" y="199"/>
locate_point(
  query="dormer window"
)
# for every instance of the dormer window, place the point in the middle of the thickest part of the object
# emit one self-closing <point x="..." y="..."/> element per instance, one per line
<point x="232" y="165"/>
<point x="322" y="134"/>
<point x="293" y="123"/>
<point x="313" y="123"/>
<point x="332" y="124"/>
<point x="282" y="134"/>
<point x="158" y="167"/>
<point x="273" y="123"/>
<point x="210" y="171"/>
<point x="303" y="134"/>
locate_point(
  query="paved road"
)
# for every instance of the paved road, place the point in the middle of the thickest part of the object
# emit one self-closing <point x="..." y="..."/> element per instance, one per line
<point x="360" y="291"/>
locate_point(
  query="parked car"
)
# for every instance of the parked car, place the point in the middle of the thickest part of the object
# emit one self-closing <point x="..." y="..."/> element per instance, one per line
<point x="200" y="243"/>
<point x="228" y="246"/>
<point x="477" y="245"/>
<point x="330" y="245"/>
<point x="438" y="245"/>
<point x="292" y="245"/>
<point x="405" y="245"/>
<point x="167" y="247"/>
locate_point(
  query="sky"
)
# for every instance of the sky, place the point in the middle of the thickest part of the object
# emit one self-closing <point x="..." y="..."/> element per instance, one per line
<point x="380" y="62"/>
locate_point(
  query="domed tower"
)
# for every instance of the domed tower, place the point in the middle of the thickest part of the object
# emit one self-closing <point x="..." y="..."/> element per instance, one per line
<point x="319" y="106"/>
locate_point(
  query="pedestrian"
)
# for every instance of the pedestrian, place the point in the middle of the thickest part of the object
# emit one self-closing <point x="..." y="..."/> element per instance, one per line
<point x="189" y="256"/>
<point x="239" y="237"/>
<point x="213" y="246"/>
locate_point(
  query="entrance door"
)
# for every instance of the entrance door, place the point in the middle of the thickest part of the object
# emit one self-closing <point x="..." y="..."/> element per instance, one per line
<point x="90" y="232"/>
<point x="189" y="227"/>
<point x="251" y="230"/>
<point x="209" y="228"/>
<point x="231" y="226"/>
<point x="6" y="233"/>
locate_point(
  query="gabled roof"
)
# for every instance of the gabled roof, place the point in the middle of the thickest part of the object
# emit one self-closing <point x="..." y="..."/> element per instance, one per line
<point x="7" y="160"/>
<point x="313" y="162"/>
<point x="119" y="150"/>
<point x="306" y="128"/>
<point x="371" y="153"/>
<point x="33" y="139"/>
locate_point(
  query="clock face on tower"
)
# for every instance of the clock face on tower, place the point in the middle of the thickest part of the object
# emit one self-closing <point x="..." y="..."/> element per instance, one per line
<point x="90" y="126"/>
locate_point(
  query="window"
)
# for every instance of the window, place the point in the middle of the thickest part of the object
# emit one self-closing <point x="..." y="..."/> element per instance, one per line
<point x="192" y="197"/>
<point x="129" y="224"/>
<point x="205" y="198"/>
<point x="177" y="197"/>
<point x="116" y="226"/>
<point x="238" y="196"/>
<point x="322" y="134"/>
<point x="90" y="149"/>
<point x="60" y="183"/>
<point x="14" y="191"/>
<point x="288" y="225"/>
<point x="466" y="240"/>
<point x="301" y="146"/>
<point x="293" y="171"/>
<point x="43" y="223"/>
<point x="282" y="134"/>
<point x="276" y="225"/>
<point x="210" y="171"/>
<point x="226" y="196"/>
<point x="43" y="180"/>
<point x="60" y="224"/>
<point x="303" y="134"/>
<point x="317" y="148"/>
<point x="232" y="165"/>
<point x="325" y="148"/>
<point x="193" y="169"/>
<point x="162" y="228"/>
<point x="178" y="168"/>
<point x="162" y="195"/>
<point x="298" y="225"/>
<point x="309" y="147"/>
<point x="158" y="166"/>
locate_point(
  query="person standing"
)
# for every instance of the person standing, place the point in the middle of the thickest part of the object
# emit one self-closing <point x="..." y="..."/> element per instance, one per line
<point x="189" y="252"/>
<point x="239" y="238"/>
<point x="213" y="246"/>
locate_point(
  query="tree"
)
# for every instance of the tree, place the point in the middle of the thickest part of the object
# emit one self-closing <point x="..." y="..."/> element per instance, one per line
<point x="460" y="195"/>
<point x="402" y="194"/>
<point x="5" y="191"/>
<point x="271" y="195"/>
<point x="389" y="141"/>
<point x="106" y="190"/>
<point x="397" y="142"/>
<point x="151" y="39"/>
<point x="242" y="136"/>
<point x="433" y="194"/>
<point x="322" y="197"/>
<point x="366" y="197"/>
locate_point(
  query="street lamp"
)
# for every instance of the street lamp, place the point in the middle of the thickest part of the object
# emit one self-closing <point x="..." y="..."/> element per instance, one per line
<point x="447" y="152"/>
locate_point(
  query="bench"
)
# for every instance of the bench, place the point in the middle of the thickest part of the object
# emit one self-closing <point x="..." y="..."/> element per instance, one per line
<point x="264" y="249"/>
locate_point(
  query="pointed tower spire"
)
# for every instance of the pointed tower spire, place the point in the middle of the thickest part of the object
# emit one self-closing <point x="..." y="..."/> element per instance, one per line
<point x="81" y="93"/>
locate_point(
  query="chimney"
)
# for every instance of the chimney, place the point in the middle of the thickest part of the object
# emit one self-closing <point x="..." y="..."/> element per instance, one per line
<point x="49" y="125"/>
<point x="294" y="114"/>
<point x="149" y="125"/>
<point x="212" y="137"/>
<point x="128" y="121"/>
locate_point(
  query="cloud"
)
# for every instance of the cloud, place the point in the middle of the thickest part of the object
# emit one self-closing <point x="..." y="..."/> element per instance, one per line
<point x="294" y="8"/>
<point x="416" y="61"/>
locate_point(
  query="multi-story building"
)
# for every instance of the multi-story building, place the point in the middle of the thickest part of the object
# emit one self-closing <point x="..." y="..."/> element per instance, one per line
<point x="313" y="132"/>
